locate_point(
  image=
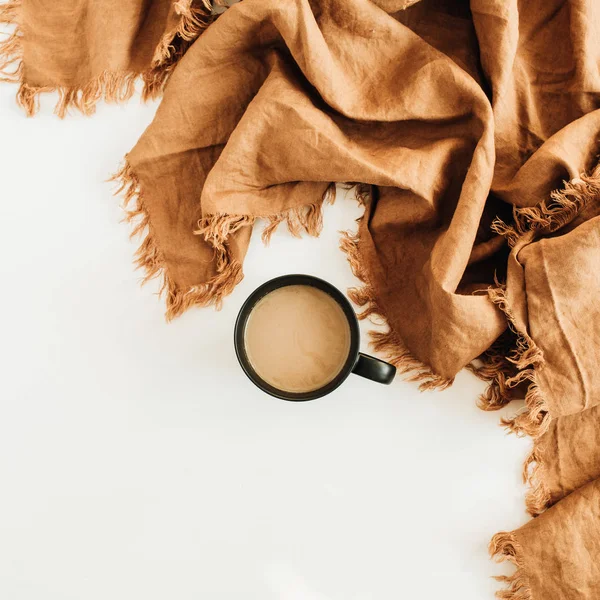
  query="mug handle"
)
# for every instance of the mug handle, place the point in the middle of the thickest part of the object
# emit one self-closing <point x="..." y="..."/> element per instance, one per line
<point x="374" y="369"/>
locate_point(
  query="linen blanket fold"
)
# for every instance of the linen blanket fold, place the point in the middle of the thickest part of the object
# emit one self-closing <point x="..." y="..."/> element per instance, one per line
<point x="470" y="132"/>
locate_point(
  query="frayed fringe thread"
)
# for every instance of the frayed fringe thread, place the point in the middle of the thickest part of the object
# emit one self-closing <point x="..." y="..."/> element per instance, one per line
<point x="393" y="349"/>
<point x="194" y="18"/>
<point x="109" y="86"/>
<point x="11" y="49"/>
<point x="527" y="358"/>
<point x="535" y="419"/>
<point x="387" y="343"/>
<point x="113" y="87"/>
<point x="504" y="546"/>
<point x="549" y="216"/>
<point x="217" y="228"/>
<point x="308" y="218"/>
<point x="526" y="353"/>
<point x="496" y="368"/>
<point x="522" y="363"/>
<point x="538" y="498"/>
<point x="562" y="208"/>
<point x="9" y="11"/>
<point x="150" y="258"/>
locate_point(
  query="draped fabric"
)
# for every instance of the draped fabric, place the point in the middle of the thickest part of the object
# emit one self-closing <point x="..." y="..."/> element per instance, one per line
<point x="470" y="131"/>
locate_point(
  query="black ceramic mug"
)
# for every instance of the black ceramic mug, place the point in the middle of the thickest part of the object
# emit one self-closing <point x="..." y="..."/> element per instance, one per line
<point x="357" y="362"/>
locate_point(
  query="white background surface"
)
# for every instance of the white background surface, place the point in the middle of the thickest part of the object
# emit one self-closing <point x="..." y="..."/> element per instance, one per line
<point x="138" y="462"/>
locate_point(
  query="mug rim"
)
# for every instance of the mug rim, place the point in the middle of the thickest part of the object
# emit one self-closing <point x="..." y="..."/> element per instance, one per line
<point x="277" y="283"/>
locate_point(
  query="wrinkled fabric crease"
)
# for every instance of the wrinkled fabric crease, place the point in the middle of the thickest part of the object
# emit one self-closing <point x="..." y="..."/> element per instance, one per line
<point x="469" y="131"/>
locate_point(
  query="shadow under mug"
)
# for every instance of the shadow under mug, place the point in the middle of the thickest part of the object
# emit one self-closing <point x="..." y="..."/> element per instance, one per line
<point x="357" y="362"/>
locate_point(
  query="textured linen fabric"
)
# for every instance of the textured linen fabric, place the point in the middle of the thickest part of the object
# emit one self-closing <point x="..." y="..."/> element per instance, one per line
<point x="89" y="50"/>
<point x="471" y="131"/>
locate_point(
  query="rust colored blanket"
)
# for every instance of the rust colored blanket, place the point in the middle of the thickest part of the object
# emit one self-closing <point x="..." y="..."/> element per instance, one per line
<point x="471" y="130"/>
